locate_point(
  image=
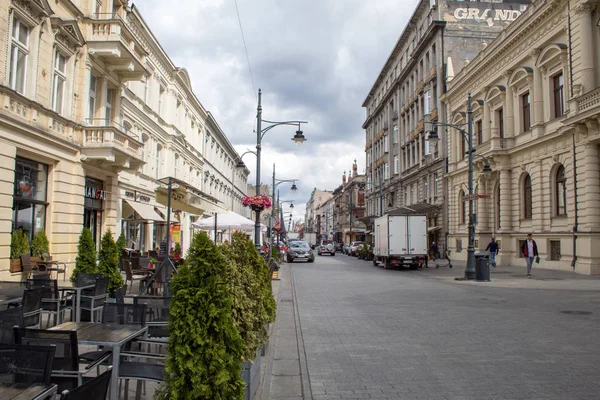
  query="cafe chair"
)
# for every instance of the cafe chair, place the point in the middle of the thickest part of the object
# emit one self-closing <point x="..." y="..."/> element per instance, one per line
<point x="141" y="367"/>
<point x="52" y="301"/>
<point x="55" y="266"/>
<point x="129" y="276"/>
<point x="94" y="389"/>
<point x="65" y="366"/>
<point x="31" y="308"/>
<point x="31" y="267"/>
<point x="9" y="319"/>
<point x="26" y="364"/>
<point x="94" y="301"/>
<point x="124" y="314"/>
<point x="157" y="314"/>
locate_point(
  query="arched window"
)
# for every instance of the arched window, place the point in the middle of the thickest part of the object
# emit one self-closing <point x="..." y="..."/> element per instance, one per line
<point x="527" y="199"/>
<point x="560" y="196"/>
<point x="463" y="207"/>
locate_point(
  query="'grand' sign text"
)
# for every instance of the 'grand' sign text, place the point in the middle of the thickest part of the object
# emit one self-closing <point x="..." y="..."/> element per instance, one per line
<point x="476" y="14"/>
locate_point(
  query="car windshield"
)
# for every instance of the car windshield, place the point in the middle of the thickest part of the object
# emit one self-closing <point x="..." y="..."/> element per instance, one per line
<point x="300" y="246"/>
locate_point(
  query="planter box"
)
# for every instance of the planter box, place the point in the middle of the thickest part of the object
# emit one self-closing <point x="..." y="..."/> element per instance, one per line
<point x="251" y="376"/>
<point x="15" y="265"/>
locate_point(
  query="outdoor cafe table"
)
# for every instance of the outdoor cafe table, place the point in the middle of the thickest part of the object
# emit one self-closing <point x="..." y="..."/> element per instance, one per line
<point x="112" y="336"/>
<point x="71" y="287"/>
<point x="26" y="391"/>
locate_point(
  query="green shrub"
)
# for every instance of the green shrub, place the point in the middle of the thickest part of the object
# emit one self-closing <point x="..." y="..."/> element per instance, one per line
<point x="177" y="249"/>
<point x="262" y="272"/>
<point x="205" y="348"/>
<point x="19" y="244"/>
<point x="86" y="255"/>
<point x="108" y="264"/>
<point x="40" y="244"/>
<point x="121" y="244"/>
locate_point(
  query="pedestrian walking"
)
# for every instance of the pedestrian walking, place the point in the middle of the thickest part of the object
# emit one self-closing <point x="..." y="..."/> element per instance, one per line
<point x="492" y="247"/>
<point x="433" y="251"/>
<point x="530" y="251"/>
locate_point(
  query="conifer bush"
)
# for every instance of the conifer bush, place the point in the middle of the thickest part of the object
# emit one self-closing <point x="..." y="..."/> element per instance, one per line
<point x="205" y="348"/>
<point x="245" y="287"/>
<point x="108" y="264"/>
<point x="19" y="244"/>
<point x="262" y="273"/>
<point x="39" y="244"/>
<point x="86" y="255"/>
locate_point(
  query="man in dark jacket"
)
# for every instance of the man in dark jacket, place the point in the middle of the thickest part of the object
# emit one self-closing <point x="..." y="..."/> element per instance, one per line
<point x="530" y="251"/>
<point x="493" y="249"/>
<point x="433" y="251"/>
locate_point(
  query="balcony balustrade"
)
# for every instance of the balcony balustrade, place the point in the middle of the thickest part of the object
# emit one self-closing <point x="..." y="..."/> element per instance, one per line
<point x="108" y="144"/>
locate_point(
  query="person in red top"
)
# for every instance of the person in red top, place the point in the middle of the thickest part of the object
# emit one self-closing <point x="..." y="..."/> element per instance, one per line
<point x="530" y="251"/>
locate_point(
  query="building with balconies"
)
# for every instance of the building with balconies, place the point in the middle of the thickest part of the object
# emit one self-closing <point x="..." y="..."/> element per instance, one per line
<point x="438" y="41"/>
<point x="94" y="115"/>
<point x="536" y="97"/>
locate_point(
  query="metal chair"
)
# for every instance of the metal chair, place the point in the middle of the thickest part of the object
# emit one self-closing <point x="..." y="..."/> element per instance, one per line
<point x="93" y="302"/>
<point x="52" y="301"/>
<point x="65" y="366"/>
<point x="94" y="389"/>
<point x="124" y="314"/>
<point x="31" y="308"/>
<point x="129" y="276"/>
<point x="55" y="266"/>
<point x="26" y="364"/>
<point x="152" y="371"/>
<point x="30" y="267"/>
<point x="157" y="314"/>
<point x="9" y="319"/>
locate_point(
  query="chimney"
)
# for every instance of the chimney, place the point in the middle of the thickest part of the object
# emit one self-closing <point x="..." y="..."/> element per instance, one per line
<point x="344" y="178"/>
<point x="354" y="169"/>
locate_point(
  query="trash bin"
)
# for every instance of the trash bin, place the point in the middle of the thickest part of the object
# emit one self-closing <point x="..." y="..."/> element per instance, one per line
<point x="482" y="267"/>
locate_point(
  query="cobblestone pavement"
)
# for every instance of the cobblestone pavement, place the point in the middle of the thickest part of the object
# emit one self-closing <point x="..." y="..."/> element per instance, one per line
<point x="387" y="334"/>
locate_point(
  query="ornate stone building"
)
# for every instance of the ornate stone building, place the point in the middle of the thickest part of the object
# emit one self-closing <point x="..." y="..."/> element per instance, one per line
<point x="439" y="39"/>
<point x="93" y="114"/>
<point x="536" y="99"/>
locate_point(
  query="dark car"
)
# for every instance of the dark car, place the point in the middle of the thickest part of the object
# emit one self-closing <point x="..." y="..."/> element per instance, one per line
<point x="339" y="247"/>
<point x="299" y="250"/>
<point x="326" y="247"/>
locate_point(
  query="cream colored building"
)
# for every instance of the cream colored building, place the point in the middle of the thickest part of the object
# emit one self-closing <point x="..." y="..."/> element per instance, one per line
<point x="536" y="99"/>
<point x="93" y="113"/>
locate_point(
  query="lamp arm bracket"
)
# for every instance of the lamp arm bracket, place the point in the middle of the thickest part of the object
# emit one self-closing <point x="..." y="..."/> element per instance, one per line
<point x="276" y="123"/>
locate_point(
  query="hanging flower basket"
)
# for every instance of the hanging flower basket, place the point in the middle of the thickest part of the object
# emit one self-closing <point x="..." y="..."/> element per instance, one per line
<point x="257" y="203"/>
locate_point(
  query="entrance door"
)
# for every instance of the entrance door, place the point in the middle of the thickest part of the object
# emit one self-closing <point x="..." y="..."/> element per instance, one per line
<point x="92" y="219"/>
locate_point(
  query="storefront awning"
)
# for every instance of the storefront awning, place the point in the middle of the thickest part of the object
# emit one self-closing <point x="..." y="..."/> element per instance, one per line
<point x="145" y="211"/>
<point x="186" y="198"/>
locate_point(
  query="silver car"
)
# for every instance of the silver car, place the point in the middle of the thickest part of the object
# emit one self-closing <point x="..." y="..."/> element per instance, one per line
<point x="299" y="250"/>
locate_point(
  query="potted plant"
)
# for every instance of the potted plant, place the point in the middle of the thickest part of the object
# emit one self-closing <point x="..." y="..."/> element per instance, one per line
<point x="176" y="250"/>
<point x="152" y="263"/>
<point x="108" y="262"/>
<point x="19" y="244"/>
<point x="39" y="245"/>
<point x="257" y="203"/>
<point x="205" y="346"/>
<point x="86" y="255"/>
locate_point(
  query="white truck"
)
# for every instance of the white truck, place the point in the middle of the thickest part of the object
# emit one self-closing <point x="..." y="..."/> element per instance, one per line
<point x="400" y="240"/>
<point x="311" y="239"/>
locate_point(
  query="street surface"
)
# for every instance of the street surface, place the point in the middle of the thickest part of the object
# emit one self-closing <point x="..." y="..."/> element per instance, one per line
<point x="370" y="333"/>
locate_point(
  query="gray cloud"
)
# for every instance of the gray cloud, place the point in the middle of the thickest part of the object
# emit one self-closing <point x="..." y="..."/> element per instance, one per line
<point x="315" y="60"/>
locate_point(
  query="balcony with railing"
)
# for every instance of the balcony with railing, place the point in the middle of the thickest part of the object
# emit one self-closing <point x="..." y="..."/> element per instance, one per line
<point x="110" y="39"/>
<point x="106" y="142"/>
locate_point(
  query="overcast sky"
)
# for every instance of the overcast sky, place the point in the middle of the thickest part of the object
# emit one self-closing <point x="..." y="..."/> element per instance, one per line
<point x="315" y="60"/>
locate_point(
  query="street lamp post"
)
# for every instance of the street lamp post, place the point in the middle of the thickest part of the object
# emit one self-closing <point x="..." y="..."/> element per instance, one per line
<point x="277" y="182"/>
<point x="468" y="136"/>
<point x="260" y="133"/>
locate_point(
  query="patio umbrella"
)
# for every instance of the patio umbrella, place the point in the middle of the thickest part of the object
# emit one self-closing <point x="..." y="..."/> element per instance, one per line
<point x="228" y="220"/>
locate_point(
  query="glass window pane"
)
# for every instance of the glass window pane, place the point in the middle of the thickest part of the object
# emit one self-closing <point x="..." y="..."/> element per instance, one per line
<point x="60" y="62"/>
<point x="25" y="218"/>
<point x="30" y="179"/>
<point x="40" y="218"/>
<point x="23" y="34"/>
<point x="58" y="94"/>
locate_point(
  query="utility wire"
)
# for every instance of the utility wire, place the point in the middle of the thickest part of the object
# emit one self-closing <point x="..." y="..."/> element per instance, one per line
<point x="245" y="47"/>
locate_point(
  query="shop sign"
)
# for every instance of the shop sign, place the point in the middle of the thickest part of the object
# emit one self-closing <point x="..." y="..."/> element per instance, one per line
<point x="480" y="15"/>
<point x="93" y="193"/>
<point x="137" y="196"/>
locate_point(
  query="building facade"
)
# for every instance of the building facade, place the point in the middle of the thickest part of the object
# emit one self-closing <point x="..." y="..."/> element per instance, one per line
<point x="314" y="212"/>
<point x="439" y="40"/>
<point x="94" y="116"/>
<point x="536" y="97"/>
<point x="349" y="208"/>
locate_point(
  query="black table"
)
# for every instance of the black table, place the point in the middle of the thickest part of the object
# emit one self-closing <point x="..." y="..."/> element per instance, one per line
<point x="26" y="391"/>
<point x="112" y="336"/>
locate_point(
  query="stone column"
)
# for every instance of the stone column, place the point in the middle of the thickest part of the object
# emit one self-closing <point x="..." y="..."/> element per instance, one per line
<point x="537" y="97"/>
<point x="509" y="114"/>
<point x="506" y="216"/>
<point x="483" y="216"/>
<point x="590" y="192"/>
<point x="540" y="185"/>
<point x="586" y="34"/>
<point x="486" y="122"/>
<point x="148" y="235"/>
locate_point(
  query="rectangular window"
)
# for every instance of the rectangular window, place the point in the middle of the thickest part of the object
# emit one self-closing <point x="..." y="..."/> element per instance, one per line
<point x="19" y="52"/>
<point x="555" y="250"/>
<point x="396" y="165"/>
<point x="92" y="99"/>
<point x="385" y="144"/>
<point x="58" y="87"/>
<point x="479" y="131"/>
<point x="108" y="113"/>
<point x="395" y="134"/>
<point x="29" y="199"/>
<point x="558" y="86"/>
<point x="500" y="122"/>
<point x="435" y="186"/>
<point x="526" y="111"/>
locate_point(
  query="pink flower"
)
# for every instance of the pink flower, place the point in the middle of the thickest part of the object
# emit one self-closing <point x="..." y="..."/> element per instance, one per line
<point x="260" y="201"/>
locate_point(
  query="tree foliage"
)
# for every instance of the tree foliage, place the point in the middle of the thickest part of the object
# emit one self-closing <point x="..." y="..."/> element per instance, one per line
<point x="19" y="244"/>
<point x="86" y="255"/>
<point x="40" y="244"/>
<point x="205" y="347"/>
<point x="108" y="264"/>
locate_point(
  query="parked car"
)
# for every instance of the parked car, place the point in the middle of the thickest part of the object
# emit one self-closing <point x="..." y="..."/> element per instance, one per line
<point x="300" y="250"/>
<point x="326" y="247"/>
<point x="339" y="247"/>
<point x="353" y="249"/>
